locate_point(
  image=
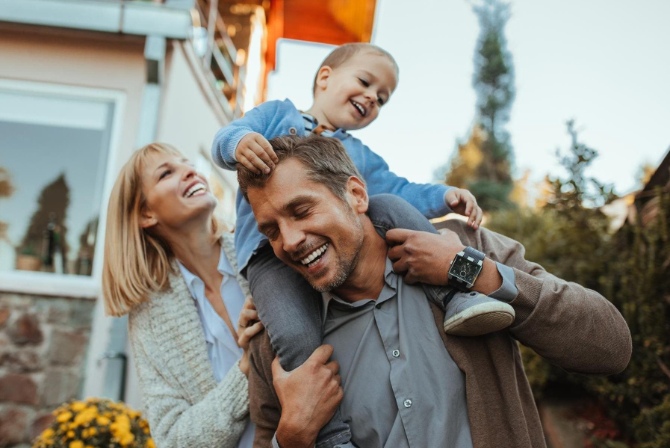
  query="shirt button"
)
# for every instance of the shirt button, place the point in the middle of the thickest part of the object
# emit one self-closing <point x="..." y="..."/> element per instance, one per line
<point x="395" y="353"/>
<point x="378" y="306"/>
<point x="407" y="403"/>
<point x="292" y="131"/>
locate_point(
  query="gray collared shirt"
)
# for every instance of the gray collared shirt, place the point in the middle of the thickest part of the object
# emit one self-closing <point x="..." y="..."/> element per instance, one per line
<point x="401" y="386"/>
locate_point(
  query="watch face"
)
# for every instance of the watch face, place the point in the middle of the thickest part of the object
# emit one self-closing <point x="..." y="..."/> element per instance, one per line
<point x="465" y="270"/>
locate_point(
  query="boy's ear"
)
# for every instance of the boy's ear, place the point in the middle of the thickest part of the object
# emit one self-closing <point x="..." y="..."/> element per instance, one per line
<point x="358" y="194"/>
<point x="322" y="77"/>
<point x="147" y="219"/>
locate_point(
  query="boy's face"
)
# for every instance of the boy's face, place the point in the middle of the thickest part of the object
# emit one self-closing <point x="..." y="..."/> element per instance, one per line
<point x="350" y="96"/>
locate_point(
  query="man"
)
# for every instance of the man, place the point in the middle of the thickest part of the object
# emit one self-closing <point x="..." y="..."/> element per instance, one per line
<point x="405" y="382"/>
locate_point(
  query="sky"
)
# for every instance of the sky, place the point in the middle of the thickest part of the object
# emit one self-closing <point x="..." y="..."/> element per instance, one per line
<point x="603" y="63"/>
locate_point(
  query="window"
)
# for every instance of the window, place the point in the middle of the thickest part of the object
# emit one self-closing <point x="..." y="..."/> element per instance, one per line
<point x="54" y="148"/>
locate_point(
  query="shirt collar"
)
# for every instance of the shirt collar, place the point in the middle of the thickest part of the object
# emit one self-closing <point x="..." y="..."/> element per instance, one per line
<point x="191" y="279"/>
<point x="388" y="291"/>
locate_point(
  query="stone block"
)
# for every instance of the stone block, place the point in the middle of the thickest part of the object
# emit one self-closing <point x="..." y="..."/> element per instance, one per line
<point x="66" y="347"/>
<point x="60" y="385"/>
<point x="22" y="361"/>
<point x="18" y="388"/>
<point x="81" y="315"/>
<point x="26" y="330"/>
<point x="57" y="311"/>
<point x="4" y="316"/>
<point x="13" y="424"/>
<point x="40" y="423"/>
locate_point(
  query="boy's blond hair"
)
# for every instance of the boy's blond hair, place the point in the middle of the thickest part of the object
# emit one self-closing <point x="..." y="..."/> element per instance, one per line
<point x="137" y="262"/>
<point x="344" y="52"/>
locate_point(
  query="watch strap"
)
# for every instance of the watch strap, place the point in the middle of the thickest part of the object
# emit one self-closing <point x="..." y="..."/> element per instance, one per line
<point x="474" y="253"/>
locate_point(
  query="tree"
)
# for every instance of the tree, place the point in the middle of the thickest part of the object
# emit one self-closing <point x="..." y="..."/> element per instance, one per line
<point x="50" y="216"/>
<point x="6" y="190"/>
<point x="491" y="180"/>
<point x="570" y="238"/>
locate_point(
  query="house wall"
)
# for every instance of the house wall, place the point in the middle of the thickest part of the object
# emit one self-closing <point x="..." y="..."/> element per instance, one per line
<point x="52" y="345"/>
<point x="45" y="340"/>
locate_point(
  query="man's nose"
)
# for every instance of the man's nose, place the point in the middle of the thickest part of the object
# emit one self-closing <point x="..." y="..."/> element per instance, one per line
<point x="292" y="237"/>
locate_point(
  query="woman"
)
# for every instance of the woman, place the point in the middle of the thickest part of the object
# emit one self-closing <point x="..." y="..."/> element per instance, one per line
<point x="169" y="266"/>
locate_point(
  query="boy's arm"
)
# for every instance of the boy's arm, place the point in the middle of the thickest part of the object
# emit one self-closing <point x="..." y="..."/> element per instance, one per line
<point x="264" y="119"/>
<point x="429" y="199"/>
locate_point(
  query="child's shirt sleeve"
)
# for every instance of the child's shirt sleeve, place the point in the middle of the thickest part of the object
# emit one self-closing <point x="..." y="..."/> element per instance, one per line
<point x="264" y="119"/>
<point x="427" y="198"/>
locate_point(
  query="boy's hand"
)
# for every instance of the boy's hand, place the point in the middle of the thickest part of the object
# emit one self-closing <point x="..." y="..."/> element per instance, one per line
<point x="255" y="153"/>
<point x="464" y="203"/>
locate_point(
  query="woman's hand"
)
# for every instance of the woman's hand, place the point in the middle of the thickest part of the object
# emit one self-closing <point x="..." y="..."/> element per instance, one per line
<point x="248" y="326"/>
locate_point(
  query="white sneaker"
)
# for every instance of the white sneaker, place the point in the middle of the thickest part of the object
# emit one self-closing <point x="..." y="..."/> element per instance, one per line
<point x="475" y="314"/>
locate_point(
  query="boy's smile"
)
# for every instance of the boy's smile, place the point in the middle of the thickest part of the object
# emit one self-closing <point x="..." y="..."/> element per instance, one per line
<point x="349" y="97"/>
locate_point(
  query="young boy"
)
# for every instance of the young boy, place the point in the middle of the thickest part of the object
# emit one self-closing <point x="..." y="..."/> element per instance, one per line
<point x="350" y="87"/>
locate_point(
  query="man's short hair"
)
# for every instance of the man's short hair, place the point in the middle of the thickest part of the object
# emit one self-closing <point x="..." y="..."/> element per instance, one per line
<point x="325" y="159"/>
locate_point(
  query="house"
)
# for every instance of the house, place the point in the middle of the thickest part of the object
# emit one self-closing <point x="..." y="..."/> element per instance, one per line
<point x="647" y="200"/>
<point x="83" y="83"/>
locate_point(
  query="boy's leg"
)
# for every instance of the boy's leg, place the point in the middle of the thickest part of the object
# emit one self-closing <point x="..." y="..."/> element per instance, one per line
<point x="291" y="313"/>
<point x="466" y="313"/>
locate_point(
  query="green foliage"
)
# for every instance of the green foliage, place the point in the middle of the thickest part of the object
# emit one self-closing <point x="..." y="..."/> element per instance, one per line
<point x="631" y="268"/>
<point x="494" y="84"/>
<point x="489" y="178"/>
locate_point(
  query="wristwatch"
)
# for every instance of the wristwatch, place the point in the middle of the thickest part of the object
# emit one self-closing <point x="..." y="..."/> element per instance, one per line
<point x="465" y="267"/>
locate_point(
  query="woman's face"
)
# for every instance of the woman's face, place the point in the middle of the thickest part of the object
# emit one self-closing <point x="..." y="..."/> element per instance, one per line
<point x="176" y="195"/>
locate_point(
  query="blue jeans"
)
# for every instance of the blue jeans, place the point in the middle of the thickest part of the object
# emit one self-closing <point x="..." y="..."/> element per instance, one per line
<point x="292" y="311"/>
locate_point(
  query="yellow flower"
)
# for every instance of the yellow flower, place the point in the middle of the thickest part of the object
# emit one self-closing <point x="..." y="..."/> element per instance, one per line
<point x="76" y="444"/>
<point x="102" y="420"/>
<point x="151" y="444"/>
<point x="64" y="416"/>
<point x="78" y="406"/>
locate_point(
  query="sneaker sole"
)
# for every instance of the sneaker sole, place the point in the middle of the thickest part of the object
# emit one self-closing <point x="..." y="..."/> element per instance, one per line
<point x="483" y="319"/>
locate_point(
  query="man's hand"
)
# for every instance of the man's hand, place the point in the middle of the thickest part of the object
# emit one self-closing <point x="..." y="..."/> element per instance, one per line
<point x="309" y="396"/>
<point x="255" y="153"/>
<point x="422" y="256"/>
<point x="463" y="202"/>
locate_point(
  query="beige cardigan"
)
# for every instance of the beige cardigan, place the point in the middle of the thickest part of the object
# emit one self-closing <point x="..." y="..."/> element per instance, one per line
<point x="184" y="405"/>
<point x="571" y="326"/>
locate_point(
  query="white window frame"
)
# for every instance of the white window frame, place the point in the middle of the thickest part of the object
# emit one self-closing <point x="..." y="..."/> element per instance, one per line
<point x="72" y="285"/>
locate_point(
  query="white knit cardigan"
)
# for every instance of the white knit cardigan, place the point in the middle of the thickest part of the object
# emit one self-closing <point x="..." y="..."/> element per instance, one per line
<point x="183" y="403"/>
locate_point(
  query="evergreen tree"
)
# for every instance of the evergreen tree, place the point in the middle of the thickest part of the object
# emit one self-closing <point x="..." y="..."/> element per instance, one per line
<point x="50" y="216"/>
<point x="491" y="180"/>
<point x="6" y="190"/>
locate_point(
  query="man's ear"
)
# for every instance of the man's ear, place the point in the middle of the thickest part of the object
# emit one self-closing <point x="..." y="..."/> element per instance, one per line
<point x="322" y="77"/>
<point x="147" y="219"/>
<point x="359" y="194"/>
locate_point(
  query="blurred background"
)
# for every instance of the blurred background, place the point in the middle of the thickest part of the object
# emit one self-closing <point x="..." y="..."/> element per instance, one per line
<point x="554" y="114"/>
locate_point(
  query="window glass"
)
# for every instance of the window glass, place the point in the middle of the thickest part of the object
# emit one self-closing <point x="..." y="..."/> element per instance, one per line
<point x="53" y="156"/>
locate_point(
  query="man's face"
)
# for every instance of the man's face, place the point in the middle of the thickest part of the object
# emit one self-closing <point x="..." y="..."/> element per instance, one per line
<point x="310" y="228"/>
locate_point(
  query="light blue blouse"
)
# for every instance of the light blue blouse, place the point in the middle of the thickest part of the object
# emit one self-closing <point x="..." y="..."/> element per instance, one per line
<point x="222" y="346"/>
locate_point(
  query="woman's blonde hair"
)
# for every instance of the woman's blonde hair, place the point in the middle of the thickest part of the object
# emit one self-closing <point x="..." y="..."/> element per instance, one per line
<point x="137" y="262"/>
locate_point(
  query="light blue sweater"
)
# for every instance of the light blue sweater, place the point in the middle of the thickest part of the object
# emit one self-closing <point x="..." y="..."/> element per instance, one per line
<point x="275" y="118"/>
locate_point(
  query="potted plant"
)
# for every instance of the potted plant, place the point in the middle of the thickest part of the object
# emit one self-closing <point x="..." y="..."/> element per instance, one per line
<point x="96" y="422"/>
<point x="27" y="258"/>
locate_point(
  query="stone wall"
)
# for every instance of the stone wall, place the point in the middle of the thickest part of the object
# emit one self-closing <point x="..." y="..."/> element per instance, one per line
<point x="43" y="342"/>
